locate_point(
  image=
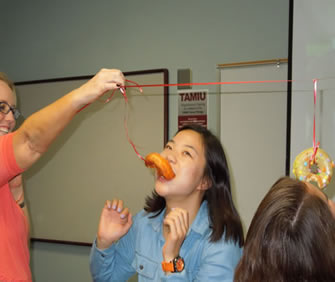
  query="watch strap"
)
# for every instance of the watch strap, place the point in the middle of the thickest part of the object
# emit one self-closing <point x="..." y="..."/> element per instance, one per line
<point x="176" y="265"/>
<point x="168" y="266"/>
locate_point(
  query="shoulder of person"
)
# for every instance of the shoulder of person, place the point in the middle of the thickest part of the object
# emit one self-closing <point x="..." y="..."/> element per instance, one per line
<point x="224" y="247"/>
<point x="143" y="218"/>
<point x="143" y="215"/>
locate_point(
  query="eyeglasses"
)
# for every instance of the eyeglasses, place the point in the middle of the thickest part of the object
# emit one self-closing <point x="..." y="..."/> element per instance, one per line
<point x="5" y="109"/>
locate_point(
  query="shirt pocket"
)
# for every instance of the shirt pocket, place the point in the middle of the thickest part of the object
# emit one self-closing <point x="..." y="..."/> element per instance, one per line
<point x="145" y="267"/>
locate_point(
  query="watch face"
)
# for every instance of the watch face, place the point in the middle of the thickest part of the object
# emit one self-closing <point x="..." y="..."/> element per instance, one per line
<point x="179" y="264"/>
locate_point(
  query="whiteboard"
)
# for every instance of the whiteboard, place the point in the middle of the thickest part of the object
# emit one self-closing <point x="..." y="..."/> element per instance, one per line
<point x="92" y="160"/>
<point x="253" y="132"/>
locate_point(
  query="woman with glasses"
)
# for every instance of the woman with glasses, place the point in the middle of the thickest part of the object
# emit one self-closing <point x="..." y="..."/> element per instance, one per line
<point x="21" y="148"/>
<point x="8" y="116"/>
<point x="5" y="108"/>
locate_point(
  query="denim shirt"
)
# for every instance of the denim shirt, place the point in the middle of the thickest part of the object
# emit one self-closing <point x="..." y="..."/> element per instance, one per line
<point x="140" y="250"/>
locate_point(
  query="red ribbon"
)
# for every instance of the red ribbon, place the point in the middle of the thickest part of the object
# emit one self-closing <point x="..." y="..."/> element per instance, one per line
<point x="206" y="83"/>
<point x="123" y="91"/>
<point x="315" y="146"/>
<point x="129" y="140"/>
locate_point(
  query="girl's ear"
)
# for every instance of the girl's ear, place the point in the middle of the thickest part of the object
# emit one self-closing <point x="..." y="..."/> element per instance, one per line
<point x="205" y="183"/>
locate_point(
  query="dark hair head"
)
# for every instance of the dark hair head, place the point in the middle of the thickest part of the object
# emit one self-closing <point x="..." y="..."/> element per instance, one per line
<point x="222" y="212"/>
<point x="291" y="237"/>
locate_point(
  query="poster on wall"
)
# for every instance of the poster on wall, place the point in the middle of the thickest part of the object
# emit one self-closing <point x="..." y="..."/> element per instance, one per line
<point x="192" y="107"/>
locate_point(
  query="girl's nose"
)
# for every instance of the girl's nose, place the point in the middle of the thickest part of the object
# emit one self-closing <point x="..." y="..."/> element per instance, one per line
<point x="170" y="157"/>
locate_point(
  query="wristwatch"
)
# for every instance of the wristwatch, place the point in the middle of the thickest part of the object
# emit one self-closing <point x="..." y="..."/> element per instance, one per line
<point x="176" y="265"/>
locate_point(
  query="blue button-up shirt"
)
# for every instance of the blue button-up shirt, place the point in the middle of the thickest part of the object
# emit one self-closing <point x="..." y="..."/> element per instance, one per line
<point x="140" y="250"/>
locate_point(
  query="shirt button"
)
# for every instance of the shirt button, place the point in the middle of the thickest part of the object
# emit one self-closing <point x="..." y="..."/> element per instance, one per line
<point x="141" y="267"/>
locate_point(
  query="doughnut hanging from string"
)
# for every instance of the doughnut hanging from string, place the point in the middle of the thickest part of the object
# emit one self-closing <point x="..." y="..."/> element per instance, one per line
<point x="314" y="165"/>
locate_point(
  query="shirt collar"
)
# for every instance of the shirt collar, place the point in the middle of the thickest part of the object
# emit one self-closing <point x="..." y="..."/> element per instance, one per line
<point x="157" y="221"/>
<point x="200" y="224"/>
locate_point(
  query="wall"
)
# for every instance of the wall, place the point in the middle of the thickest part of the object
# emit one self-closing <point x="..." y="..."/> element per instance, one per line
<point x="253" y="131"/>
<point x="44" y="39"/>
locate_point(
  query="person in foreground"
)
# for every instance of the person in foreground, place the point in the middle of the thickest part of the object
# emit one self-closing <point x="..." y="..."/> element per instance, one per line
<point x="291" y="236"/>
<point x="189" y="229"/>
<point x="7" y="124"/>
<point x="23" y="147"/>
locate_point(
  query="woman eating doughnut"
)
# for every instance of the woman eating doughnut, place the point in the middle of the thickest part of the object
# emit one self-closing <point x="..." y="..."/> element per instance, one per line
<point x="189" y="229"/>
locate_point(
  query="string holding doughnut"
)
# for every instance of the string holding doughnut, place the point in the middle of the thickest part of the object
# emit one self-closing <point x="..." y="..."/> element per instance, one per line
<point x="316" y="168"/>
<point x="314" y="165"/>
<point x="162" y="165"/>
<point x="152" y="160"/>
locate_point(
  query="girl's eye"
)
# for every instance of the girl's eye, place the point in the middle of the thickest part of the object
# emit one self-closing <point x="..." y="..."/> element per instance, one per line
<point x="167" y="146"/>
<point x="186" y="153"/>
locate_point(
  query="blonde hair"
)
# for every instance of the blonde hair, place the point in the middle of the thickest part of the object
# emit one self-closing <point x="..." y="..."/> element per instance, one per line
<point x="5" y="79"/>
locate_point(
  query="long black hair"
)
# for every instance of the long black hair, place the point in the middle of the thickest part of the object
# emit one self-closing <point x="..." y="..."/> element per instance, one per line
<point x="223" y="215"/>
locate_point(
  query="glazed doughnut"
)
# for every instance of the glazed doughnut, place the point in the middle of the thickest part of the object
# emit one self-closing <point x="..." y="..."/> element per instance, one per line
<point x="319" y="172"/>
<point x="155" y="160"/>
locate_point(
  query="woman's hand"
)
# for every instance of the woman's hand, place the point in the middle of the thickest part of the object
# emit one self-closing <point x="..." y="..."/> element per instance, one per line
<point x="175" y="226"/>
<point x="105" y="80"/>
<point x="115" y="222"/>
